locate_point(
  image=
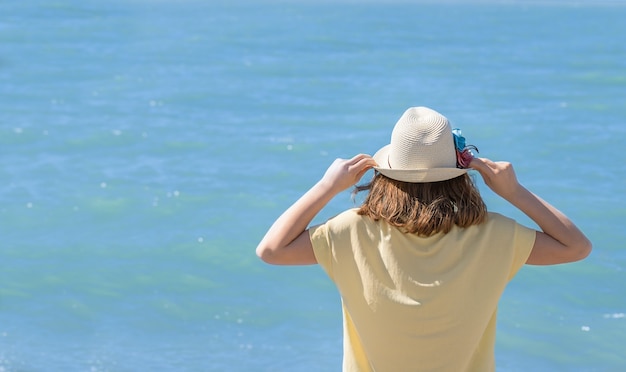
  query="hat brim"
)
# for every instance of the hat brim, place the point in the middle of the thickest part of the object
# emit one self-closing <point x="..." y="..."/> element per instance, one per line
<point x="413" y="175"/>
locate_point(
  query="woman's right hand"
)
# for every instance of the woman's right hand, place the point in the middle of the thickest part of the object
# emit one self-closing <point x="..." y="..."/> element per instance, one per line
<point x="499" y="176"/>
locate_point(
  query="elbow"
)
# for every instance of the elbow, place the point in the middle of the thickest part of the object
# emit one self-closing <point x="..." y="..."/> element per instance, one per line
<point x="581" y="250"/>
<point x="263" y="252"/>
<point x="585" y="249"/>
<point x="266" y="254"/>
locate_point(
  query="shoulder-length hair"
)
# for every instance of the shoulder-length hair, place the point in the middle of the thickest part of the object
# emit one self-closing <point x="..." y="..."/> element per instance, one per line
<point x="424" y="209"/>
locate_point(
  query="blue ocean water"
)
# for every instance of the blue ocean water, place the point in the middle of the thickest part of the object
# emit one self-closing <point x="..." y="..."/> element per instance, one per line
<point x="146" y="146"/>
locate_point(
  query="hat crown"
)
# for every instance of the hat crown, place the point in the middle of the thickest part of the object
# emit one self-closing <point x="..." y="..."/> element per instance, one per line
<point x="422" y="139"/>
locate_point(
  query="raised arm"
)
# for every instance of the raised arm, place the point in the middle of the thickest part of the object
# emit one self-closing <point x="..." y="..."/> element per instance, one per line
<point x="560" y="241"/>
<point x="287" y="241"/>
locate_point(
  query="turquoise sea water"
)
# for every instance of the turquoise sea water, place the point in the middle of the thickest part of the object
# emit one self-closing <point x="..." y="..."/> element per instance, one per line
<point x="146" y="146"/>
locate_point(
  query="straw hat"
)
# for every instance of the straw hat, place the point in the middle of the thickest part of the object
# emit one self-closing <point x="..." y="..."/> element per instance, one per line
<point x="422" y="149"/>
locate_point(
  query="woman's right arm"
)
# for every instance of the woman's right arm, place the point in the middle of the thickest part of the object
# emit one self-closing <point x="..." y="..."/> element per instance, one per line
<point x="560" y="241"/>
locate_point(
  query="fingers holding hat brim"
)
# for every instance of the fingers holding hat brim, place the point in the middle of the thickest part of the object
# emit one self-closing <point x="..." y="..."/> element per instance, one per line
<point x="477" y="163"/>
<point x="361" y="163"/>
<point x="484" y="165"/>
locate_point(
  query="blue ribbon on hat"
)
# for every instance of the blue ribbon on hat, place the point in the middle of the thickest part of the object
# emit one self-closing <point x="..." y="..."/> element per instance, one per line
<point x="459" y="140"/>
<point x="464" y="153"/>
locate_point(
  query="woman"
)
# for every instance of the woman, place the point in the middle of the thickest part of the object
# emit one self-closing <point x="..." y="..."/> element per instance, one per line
<point x="421" y="265"/>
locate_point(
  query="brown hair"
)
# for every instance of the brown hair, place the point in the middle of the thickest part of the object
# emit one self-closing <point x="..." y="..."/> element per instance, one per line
<point x="423" y="208"/>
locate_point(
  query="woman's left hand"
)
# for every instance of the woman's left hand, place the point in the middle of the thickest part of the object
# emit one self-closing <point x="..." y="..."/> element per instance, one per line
<point x="344" y="173"/>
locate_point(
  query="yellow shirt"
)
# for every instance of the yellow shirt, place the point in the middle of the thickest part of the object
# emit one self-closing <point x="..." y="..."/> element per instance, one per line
<point x="420" y="304"/>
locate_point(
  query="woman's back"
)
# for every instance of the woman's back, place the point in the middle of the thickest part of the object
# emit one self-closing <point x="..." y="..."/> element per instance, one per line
<point x="415" y="301"/>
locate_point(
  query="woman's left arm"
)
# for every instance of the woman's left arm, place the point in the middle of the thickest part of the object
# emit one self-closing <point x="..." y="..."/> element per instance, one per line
<point x="287" y="242"/>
